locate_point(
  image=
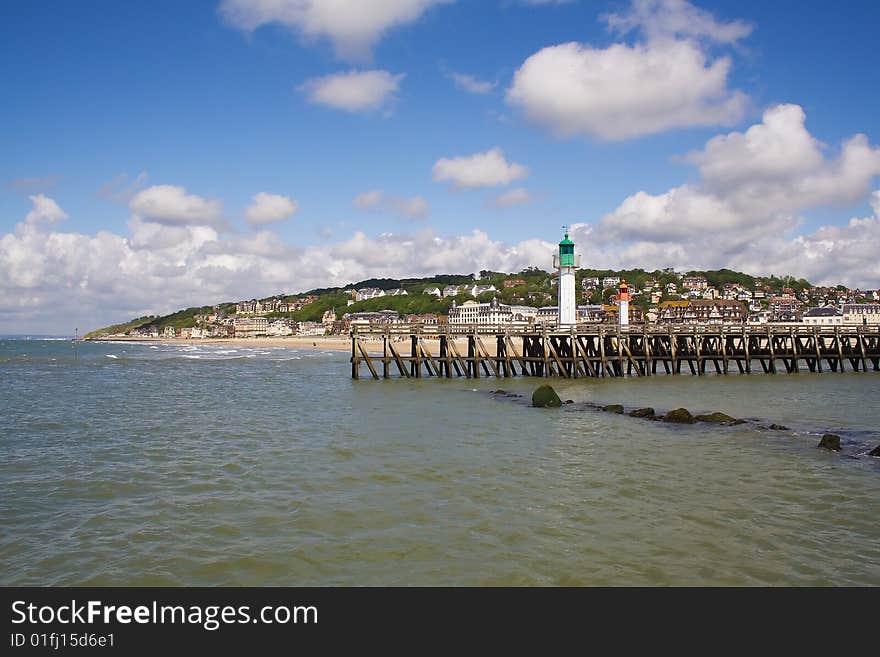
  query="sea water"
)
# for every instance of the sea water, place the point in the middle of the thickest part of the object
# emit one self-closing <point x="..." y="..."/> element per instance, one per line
<point x="201" y="464"/>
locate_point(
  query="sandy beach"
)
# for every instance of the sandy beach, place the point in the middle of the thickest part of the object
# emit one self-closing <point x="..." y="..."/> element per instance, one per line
<point x="322" y="342"/>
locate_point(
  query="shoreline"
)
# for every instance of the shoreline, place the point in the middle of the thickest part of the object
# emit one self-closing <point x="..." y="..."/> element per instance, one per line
<point x="317" y="342"/>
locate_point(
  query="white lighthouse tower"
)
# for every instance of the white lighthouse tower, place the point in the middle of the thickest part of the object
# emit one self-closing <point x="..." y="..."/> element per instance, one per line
<point x="623" y="304"/>
<point x="565" y="263"/>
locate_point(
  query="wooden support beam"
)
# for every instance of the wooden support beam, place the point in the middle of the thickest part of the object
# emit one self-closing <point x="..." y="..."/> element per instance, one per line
<point x="561" y="369"/>
<point x="430" y="365"/>
<point x="367" y="360"/>
<point x="355" y="366"/>
<point x="483" y="352"/>
<point x="398" y="360"/>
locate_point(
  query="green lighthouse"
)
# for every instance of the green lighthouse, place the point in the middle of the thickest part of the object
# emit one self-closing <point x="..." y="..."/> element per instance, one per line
<point x="566" y="252"/>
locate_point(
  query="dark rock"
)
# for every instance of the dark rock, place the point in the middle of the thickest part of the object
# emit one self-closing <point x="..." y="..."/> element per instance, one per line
<point x="778" y="427"/>
<point x="875" y="451"/>
<point x="498" y="392"/>
<point x="679" y="416"/>
<point x="568" y="401"/>
<point x="545" y="397"/>
<point x="642" y="412"/>
<point x="830" y="441"/>
<point x="613" y="408"/>
<point x="717" y="418"/>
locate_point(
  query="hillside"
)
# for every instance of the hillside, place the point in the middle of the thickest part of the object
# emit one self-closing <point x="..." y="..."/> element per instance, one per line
<point x="538" y="289"/>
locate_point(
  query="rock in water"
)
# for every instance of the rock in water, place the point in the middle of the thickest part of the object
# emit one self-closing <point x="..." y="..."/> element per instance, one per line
<point x="778" y="427"/>
<point x="545" y="397"/>
<point x="717" y="418"/>
<point x="875" y="451"/>
<point x="642" y="412"/>
<point x="613" y="408"/>
<point x="679" y="416"/>
<point x="830" y="441"/>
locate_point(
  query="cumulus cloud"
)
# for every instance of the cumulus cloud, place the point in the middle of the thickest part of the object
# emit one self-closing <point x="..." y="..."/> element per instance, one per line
<point x="743" y="211"/>
<point x="266" y="208"/>
<point x="516" y="196"/>
<point x="353" y="26"/>
<point x="44" y="211"/>
<point x="624" y="91"/>
<point x="52" y="280"/>
<point x="489" y="169"/>
<point x="353" y="91"/>
<point x="661" y="19"/>
<point x="751" y="182"/>
<point x="471" y="84"/>
<point x="408" y="208"/>
<point x="172" y="206"/>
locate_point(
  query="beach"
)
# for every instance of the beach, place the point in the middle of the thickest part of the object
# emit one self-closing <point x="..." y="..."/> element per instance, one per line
<point x="373" y="344"/>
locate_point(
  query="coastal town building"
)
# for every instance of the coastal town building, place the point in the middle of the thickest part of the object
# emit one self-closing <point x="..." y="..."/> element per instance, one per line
<point x="785" y="308"/>
<point x="380" y="316"/>
<point x="245" y="327"/>
<point x="513" y="282"/>
<point x="861" y="313"/>
<point x="701" y="311"/>
<point x="492" y="313"/>
<point x="610" y="281"/>
<point x="367" y="293"/>
<point x="697" y="283"/>
<point x="826" y="316"/>
<point x="611" y="315"/>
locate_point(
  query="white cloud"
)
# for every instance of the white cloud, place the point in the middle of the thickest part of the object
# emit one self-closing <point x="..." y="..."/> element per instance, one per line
<point x="353" y="91"/>
<point x="516" y="196"/>
<point x="51" y="281"/>
<point x="744" y="210"/>
<point x="661" y="19"/>
<point x="408" y="208"/>
<point x="172" y="206"/>
<point x="488" y="169"/>
<point x="471" y="84"/>
<point x="624" y="91"/>
<point x="266" y="208"/>
<point x="44" y="211"/>
<point x="353" y="26"/>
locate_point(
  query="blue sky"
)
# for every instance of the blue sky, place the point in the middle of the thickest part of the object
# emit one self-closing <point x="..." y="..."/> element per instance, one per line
<point x="156" y="123"/>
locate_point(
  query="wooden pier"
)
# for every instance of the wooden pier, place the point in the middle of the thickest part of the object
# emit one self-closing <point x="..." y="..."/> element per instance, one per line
<point x="595" y="350"/>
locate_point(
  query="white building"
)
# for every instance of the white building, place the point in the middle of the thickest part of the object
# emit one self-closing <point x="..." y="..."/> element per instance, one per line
<point x="279" y="327"/>
<point x="477" y="290"/>
<point x="366" y="293"/>
<point x="861" y="313"/>
<point x="827" y="316"/>
<point x="492" y="313"/>
<point x="434" y="291"/>
<point x="610" y="281"/>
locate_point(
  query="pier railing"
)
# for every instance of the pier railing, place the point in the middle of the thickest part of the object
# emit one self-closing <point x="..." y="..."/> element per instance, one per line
<point x="601" y="350"/>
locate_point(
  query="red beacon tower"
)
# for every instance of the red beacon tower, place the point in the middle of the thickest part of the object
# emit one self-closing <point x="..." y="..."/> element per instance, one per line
<point x="623" y="299"/>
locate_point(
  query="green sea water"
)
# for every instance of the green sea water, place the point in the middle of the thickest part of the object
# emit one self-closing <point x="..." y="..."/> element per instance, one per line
<point x="140" y="464"/>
